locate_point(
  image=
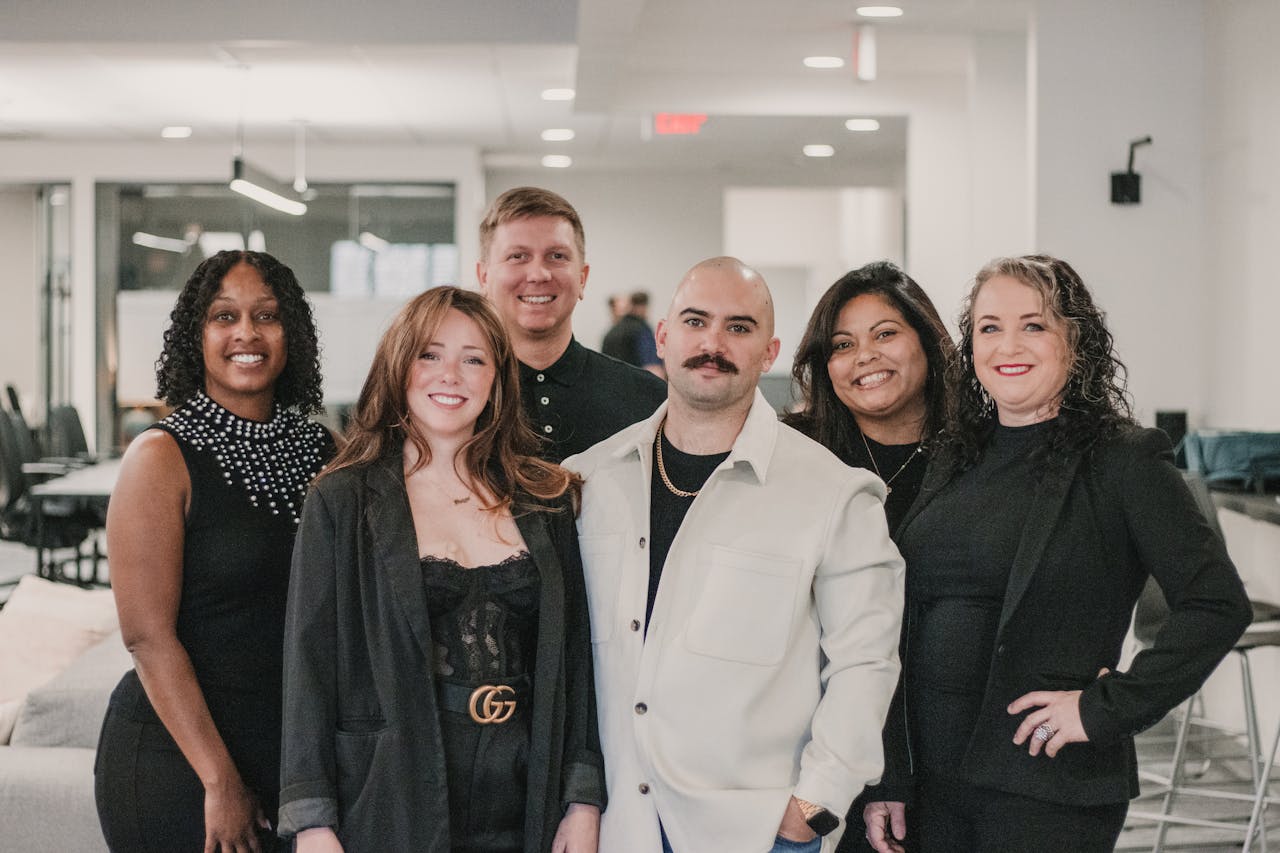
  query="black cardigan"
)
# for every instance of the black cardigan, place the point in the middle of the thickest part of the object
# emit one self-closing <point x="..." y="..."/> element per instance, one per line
<point x="1099" y="523"/>
<point x="362" y="748"/>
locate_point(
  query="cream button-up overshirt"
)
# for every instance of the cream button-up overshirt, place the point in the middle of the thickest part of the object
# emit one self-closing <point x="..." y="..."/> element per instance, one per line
<point x="771" y="654"/>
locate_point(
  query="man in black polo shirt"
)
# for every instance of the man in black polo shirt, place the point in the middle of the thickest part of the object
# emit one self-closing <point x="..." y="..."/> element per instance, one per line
<point x="533" y="269"/>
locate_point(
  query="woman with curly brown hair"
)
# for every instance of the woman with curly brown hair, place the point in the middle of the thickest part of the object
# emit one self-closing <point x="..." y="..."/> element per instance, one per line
<point x="200" y="532"/>
<point x="1039" y="521"/>
<point x="438" y="692"/>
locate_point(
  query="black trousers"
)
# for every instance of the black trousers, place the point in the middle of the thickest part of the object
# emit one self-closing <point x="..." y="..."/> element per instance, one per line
<point x="488" y="774"/>
<point x="952" y="817"/>
<point x="149" y="798"/>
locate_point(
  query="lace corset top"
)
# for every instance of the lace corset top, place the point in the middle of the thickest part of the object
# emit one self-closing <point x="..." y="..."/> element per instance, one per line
<point x="484" y="620"/>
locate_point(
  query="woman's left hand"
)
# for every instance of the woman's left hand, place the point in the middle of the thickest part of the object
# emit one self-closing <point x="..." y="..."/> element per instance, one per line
<point x="579" y="830"/>
<point x="1060" y="709"/>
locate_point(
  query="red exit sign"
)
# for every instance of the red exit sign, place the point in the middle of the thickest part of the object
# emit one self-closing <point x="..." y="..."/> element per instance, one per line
<point x="675" y="124"/>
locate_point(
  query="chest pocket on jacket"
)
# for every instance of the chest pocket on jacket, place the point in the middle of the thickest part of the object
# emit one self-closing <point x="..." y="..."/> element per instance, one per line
<point x="746" y="606"/>
<point x="602" y="570"/>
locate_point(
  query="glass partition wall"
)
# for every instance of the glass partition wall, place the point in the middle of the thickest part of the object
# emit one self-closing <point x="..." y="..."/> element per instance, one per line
<point x="359" y="251"/>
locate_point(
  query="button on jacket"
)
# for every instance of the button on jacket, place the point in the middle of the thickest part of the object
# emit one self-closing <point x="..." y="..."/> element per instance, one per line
<point x="771" y="655"/>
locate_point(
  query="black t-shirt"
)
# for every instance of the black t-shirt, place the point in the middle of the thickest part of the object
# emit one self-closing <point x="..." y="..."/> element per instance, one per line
<point x="585" y="397"/>
<point x="688" y="473"/>
<point x="901" y="466"/>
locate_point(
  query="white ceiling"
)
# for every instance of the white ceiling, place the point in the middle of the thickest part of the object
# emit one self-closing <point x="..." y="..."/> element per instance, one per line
<point x="470" y="72"/>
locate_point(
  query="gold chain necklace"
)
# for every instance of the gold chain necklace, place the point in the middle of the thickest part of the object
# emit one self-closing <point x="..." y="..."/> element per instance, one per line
<point x="662" y="469"/>
<point x="888" y="489"/>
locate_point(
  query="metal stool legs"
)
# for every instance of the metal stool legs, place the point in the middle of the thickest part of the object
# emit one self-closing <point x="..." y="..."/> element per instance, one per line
<point x="1261" y="799"/>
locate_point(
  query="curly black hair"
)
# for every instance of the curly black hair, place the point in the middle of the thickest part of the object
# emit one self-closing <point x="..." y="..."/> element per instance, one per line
<point x="824" y="417"/>
<point x="180" y="368"/>
<point x="1094" y="403"/>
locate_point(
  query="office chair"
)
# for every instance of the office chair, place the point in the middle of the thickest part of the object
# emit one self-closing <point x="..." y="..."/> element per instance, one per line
<point x="65" y="524"/>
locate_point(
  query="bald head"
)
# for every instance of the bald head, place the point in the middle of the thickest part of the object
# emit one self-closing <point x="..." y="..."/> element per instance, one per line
<point x="717" y="337"/>
<point x="732" y="277"/>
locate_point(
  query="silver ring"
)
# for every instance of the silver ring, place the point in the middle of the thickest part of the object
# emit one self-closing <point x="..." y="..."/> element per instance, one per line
<point x="1043" y="732"/>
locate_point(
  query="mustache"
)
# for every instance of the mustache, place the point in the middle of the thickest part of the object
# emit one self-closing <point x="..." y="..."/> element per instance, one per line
<point x="720" y="362"/>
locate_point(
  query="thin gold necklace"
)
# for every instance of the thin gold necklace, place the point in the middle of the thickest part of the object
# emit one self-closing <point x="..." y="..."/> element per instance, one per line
<point x="888" y="489"/>
<point x="662" y="469"/>
<point x="445" y="492"/>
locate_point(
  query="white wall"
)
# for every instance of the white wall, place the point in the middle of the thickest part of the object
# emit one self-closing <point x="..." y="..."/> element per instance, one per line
<point x="1107" y="73"/>
<point x="20" y="295"/>
<point x="1241" y="280"/>
<point x="86" y="164"/>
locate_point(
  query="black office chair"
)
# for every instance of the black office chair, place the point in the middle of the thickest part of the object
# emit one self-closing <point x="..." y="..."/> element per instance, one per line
<point x="61" y="524"/>
<point x="66" y="434"/>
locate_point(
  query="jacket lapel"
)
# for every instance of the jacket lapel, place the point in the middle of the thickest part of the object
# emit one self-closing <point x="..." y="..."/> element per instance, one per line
<point x="1046" y="505"/>
<point x="537" y="538"/>
<point x="388" y="518"/>
<point x="534" y="529"/>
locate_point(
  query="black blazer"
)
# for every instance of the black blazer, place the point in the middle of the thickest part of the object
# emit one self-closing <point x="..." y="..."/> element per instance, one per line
<point x="362" y="749"/>
<point x="1099" y="523"/>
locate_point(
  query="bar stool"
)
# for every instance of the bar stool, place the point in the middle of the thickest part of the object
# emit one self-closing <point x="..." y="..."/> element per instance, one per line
<point x="1264" y="631"/>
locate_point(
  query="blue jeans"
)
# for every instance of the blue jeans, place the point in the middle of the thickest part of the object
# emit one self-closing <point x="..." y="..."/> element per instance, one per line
<point x="780" y="845"/>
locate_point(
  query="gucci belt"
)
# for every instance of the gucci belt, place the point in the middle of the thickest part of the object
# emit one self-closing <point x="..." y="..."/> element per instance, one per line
<point x="489" y="703"/>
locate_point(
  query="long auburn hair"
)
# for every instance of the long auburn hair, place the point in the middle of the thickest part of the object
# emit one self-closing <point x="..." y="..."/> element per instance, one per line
<point x="1094" y="403"/>
<point x="824" y="417"/>
<point x="501" y="455"/>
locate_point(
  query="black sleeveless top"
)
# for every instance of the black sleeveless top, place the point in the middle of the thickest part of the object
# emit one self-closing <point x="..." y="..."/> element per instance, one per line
<point x="248" y="479"/>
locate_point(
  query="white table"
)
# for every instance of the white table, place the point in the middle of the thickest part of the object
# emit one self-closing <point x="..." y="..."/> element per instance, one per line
<point x="92" y="484"/>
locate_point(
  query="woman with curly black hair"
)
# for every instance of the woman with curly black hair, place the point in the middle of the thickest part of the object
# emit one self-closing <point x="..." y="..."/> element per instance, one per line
<point x="200" y="532"/>
<point x="870" y="369"/>
<point x="1039" y="521"/>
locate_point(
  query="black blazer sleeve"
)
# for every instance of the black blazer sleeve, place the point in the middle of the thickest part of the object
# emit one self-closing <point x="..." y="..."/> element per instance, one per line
<point x="1209" y="610"/>
<point x="583" y="765"/>
<point x="308" y="796"/>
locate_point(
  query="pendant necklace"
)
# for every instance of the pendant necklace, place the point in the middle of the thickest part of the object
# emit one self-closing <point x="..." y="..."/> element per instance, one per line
<point x="888" y="489"/>
<point x="443" y="491"/>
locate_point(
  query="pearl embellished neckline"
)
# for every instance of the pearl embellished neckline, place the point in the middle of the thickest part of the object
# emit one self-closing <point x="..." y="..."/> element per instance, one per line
<point x="271" y="461"/>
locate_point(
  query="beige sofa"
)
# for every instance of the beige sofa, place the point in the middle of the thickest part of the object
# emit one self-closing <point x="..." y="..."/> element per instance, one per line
<point x="46" y="762"/>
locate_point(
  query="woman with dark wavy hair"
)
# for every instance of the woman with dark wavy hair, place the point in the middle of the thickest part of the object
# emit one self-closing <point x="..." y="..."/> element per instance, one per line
<point x="870" y="371"/>
<point x="1041" y="517"/>
<point x="200" y="532"/>
<point x="438" y="689"/>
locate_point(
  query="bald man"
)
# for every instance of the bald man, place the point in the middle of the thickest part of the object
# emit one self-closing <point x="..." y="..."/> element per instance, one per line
<point x="745" y="600"/>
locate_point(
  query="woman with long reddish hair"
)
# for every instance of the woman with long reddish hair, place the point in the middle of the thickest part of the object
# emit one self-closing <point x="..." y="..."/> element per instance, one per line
<point x="438" y="694"/>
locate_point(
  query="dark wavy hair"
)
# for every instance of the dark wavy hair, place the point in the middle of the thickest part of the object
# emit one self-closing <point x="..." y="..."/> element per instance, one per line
<point x="501" y="455"/>
<point x="1094" y="403"/>
<point x="180" y="368"/>
<point x="824" y="417"/>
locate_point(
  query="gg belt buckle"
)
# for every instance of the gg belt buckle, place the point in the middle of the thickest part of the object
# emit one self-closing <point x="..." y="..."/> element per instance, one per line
<point x="488" y="707"/>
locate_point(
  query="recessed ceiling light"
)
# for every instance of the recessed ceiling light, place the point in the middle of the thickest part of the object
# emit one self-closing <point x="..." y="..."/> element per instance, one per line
<point x="557" y="161"/>
<point x="819" y="151"/>
<point x="557" y="134"/>
<point x="823" y="62"/>
<point x="175" y="132"/>
<point x="557" y="94"/>
<point x="879" y="11"/>
<point x="862" y="125"/>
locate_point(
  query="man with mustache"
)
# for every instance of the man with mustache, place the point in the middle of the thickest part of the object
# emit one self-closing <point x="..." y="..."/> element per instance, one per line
<point x="533" y="269"/>
<point x="745" y="600"/>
